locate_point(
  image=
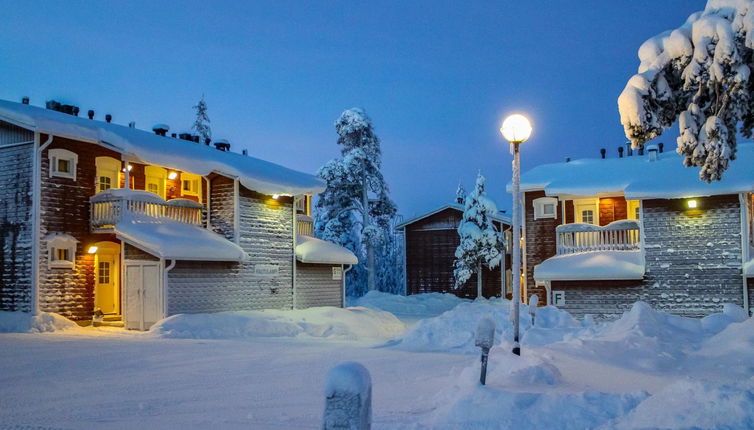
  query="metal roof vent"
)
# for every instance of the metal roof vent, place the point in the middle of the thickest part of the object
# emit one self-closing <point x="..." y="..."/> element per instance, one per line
<point x="652" y="152"/>
<point x="161" y="129"/>
<point x="222" y="145"/>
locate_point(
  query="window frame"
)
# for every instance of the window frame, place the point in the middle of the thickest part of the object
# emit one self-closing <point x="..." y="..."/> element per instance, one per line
<point x="586" y="204"/>
<point x="110" y="168"/>
<point x="61" y="242"/>
<point x="190" y="177"/>
<point x="632" y="206"/>
<point x="539" y="207"/>
<point x="154" y="175"/>
<point x="57" y="154"/>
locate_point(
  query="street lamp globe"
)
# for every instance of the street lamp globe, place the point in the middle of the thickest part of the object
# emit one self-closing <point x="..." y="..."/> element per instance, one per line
<point x="516" y="128"/>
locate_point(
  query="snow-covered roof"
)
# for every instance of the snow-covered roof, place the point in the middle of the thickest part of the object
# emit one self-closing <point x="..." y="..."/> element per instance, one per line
<point x="255" y="174"/>
<point x="595" y="265"/>
<point x="639" y="178"/>
<point x="499" y="217"/>
<point x="178" y="241"/>
<point x="312" y="250"/>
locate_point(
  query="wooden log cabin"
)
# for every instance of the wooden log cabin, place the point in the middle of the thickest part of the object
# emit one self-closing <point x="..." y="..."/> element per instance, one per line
<point x="601" y="234"/>
<point x="110" y="224"/>
<point x="431" y="240"/>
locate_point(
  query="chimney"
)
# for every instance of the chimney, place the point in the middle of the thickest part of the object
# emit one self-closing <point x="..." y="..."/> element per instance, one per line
<point x="132" y="124"/>
<point x="76" y="111"/>
<point x="108" y="118"/>
<point x="602" y="153"/>
<point x="641" y="150"/>
<point x="173" y="135"/>
<point x="660" y="145"/>
<point x="90" y="114"/>
<point x="620" y="152"/>
<point x="161" y="129"/>
<point x="568" y="159"/>
<point x="652" y="152"/>
<point x="207" y="141"/>
<point x="184" y="135"/>
<point x="195" y="138"/>
<point x="629" y="150"/>
<point x="25" y="100"/>
<point x="245" y="151"/>
<point x="222" y="145"/>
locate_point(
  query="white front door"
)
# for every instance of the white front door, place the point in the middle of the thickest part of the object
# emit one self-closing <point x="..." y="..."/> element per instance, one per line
<point x="143" y="294"/>
<point x="586" y="211"/>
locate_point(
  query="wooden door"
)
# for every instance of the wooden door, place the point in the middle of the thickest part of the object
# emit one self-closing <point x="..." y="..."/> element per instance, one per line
<point x="143" y="294"/>
<point x="107" y="293"/>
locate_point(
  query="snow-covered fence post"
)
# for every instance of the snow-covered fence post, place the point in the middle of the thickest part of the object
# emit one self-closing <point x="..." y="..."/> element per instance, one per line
<point x="485" y="337"/>
<point x="348" y="398"/>
<point x="533" y="302"/>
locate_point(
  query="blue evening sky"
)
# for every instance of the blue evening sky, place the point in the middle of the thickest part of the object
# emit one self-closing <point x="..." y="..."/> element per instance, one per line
<point x="436" y="77"/>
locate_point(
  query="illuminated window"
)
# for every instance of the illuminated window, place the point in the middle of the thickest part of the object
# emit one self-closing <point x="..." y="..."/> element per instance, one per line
<point x="103" y="270"/>
<point x="303" y="205"/>
<point x="587" y="216"/>
<point x="545" y="207"/>
<point x="61" y="250"/>
<point x="62" y="163"/>
<point x="633" y="209"/>
<point x="191" y="185"/>
<point x="108" y="173"/>
<point x="586" y="211"/>
<point x="155" y="180"/>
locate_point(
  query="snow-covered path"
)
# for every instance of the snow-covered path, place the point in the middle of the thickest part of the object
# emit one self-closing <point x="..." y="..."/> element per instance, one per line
<point x="126" y="381"/>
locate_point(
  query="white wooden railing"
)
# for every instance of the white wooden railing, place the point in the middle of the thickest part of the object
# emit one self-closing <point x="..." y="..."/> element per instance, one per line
<point x="620" y="235"/>
<point x="304" y="225"/>
<point x="112" y="206"/>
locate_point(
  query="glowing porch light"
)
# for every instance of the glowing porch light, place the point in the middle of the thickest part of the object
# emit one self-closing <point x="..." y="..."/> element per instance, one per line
<point x="691" y="204"/>
<point x="172" y="175"/>
<point x="276" y="196"/>
<point x="92" y="250"/>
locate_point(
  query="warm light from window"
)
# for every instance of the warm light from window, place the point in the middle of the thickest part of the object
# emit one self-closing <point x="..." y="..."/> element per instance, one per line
<point x="172" y="175"/>
<point x="92" y="249"/>
<point x="691" y="204"/>
<point x="275" y="196"/>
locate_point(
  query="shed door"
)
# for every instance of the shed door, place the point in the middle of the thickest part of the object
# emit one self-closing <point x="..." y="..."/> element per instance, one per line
<point x="143" y="294"/>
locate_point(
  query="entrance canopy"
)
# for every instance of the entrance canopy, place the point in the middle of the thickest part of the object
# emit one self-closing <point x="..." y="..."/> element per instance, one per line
<point x="312" y="250"/>
<point x="179" y="241"/>
<point x="594" y="265"/>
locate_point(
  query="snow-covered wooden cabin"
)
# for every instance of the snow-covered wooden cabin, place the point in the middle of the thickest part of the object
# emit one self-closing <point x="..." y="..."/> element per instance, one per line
<point x="431" y="239"/>
<point x="106" y="222"/>
<point x="600" y="234"/>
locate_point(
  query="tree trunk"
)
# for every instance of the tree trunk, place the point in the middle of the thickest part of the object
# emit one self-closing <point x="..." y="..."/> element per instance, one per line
<point x="479" y="281"/>
<point x="370" y="248"/>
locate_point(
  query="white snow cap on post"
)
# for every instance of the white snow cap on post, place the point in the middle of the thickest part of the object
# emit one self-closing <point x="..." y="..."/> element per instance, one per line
<point x="533" y="302"/>
<point x="348" y="403"/>
<point x="485" y="333"/>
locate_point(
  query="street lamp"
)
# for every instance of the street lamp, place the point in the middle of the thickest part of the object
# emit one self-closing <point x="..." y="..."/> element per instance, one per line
<point x="516" y="129"/>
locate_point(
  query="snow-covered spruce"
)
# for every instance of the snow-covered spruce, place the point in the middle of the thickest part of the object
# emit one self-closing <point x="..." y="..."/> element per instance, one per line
<point x="355" y="210"/>
<point x="698" y="74"/>
<point x="481" y="245"/>
<point x="201" y="123"/>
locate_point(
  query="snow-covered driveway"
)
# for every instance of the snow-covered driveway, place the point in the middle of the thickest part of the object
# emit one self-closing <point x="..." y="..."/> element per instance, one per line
<point x="129" y="381"/>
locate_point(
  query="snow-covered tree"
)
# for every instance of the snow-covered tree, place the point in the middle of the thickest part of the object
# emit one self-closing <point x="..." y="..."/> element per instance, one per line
<point x="698" y="74"/>
<point x="355" y="210"/>
<point x="460" y="194"/>
<point x="481" y="244"/>
<point x="201" y="123"/>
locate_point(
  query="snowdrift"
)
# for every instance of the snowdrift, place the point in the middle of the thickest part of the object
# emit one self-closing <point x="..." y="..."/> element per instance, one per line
<point x="25" y="322"/>
<point x="413" y="306"/>
<point x="322" y="322"/>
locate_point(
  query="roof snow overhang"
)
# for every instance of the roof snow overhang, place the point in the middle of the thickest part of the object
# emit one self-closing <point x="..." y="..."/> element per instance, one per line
<point x="499" y="218"/>
<point x="592" y="265"/>
<point x="317" y="251"/>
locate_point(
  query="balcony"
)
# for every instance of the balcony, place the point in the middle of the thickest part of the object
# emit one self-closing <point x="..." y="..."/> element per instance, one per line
<point x="304" y="225"/>
<point x="116" y="205"/>
<point x="620" y="235"/>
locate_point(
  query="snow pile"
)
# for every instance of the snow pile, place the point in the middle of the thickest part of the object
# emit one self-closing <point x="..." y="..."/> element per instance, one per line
<point x="454" y="330"/>
<point x="322" y="322"/>
<point x="24" y="322"/>
<point x="592" y="265"/>
<point x="688" y="404"/>
<point x="413" y="306"/>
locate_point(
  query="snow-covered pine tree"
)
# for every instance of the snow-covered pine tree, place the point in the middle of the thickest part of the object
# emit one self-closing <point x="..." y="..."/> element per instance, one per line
<point x="700" y="75"/>
<point x="355" y="210"/>
<point x="481" y="244"/>
<point x="201" y="123"/>
<point x="460" y="194"/>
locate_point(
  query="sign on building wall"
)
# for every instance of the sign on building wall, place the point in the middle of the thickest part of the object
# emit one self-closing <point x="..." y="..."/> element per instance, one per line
<point x="558" y="298"/>
<point x="266" y="270"/>
<point x="337" y="273"/>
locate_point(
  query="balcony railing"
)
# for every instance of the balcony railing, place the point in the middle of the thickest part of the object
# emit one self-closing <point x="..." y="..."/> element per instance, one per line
<point x="112" y="206"/>
<point x="304" y="225"/>
<point x="620" y="235"/>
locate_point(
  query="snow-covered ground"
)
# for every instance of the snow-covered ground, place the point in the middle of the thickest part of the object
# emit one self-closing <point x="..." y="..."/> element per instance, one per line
<point x="267" y="369"/>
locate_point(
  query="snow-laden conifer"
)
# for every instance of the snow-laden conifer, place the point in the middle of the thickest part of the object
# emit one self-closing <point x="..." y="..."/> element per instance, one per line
<point x="481" y="244"/>
<point x="355" y="209"/>
<point x="201" y="123"/>
<point x="460" y="194"/>
<point x="698" y="74"/>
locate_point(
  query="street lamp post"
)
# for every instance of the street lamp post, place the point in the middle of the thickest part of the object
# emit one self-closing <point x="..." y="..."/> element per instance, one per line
<point x="516" y="129"/>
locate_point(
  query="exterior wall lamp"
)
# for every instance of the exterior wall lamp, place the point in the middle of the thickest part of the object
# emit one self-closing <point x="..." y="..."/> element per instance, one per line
<point x="92" y="250"/>
<point x="691" y="203"/>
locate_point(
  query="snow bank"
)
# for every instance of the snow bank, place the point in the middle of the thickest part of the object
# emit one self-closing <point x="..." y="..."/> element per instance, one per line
<point x="323" y="322"/>
<point x="613" y="265"/>
<point x="454" y="330"/>
<point x="417" y="305"/>
<point x="24" y="322"/>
